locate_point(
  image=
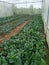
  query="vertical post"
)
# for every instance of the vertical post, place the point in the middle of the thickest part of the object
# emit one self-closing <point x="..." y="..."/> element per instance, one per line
<point x="48" y="17"/>
<point x="42" y="8"/>
<point x="26" y="4"/>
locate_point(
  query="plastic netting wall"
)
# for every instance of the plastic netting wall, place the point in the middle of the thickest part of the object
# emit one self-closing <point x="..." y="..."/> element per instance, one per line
<point x="45" y="15"/>
<point x="5" y="9"/>
<point x="28" y="7"/>
<point x="20" y="7"/>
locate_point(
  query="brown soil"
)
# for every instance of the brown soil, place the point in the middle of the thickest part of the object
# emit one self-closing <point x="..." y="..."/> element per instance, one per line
<point x="13" y="31"/>
<point x="47" y="55"/>
<point x="47" y="50"/>
<point x="46" y="47"/>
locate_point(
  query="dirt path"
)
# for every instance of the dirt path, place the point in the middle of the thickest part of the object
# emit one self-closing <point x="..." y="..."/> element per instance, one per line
<point x="13" y="31"/>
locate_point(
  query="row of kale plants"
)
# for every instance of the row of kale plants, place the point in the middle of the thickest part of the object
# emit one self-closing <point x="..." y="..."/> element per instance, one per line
<point x="4" y="20"/>
<point x="5" y="29"/>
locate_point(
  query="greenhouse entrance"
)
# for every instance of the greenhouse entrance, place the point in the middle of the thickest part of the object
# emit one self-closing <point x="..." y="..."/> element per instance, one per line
<point x="23" y="33"/>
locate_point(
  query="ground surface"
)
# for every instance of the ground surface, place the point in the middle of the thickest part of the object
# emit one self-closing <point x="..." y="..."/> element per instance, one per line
<point x="47" y="56"/>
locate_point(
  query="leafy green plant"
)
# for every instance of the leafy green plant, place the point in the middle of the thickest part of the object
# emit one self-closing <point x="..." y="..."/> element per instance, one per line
<point x="8" y="27"/>
<point x="27" y="47"/>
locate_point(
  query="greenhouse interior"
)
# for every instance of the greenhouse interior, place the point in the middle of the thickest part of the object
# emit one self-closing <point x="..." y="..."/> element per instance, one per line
<point x="24" y="32"/>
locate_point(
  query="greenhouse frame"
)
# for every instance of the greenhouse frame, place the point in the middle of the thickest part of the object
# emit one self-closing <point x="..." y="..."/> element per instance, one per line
<point x="24" y="32"/>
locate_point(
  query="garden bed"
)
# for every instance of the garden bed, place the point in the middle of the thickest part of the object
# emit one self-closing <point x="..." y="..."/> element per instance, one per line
<point x="27" y="47"/>
<point x="5" y="29"/>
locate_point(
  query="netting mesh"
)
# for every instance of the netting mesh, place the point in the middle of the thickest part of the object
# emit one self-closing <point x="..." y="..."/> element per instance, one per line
<point x="11" y="7"/>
